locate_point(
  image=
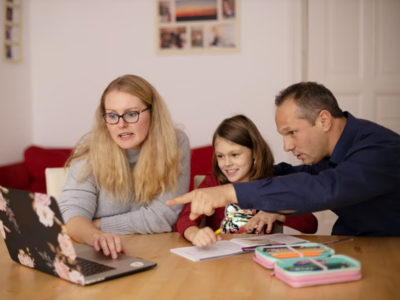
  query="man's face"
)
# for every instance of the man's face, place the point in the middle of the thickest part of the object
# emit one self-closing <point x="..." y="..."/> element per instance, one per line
<point x="307" y="142"/>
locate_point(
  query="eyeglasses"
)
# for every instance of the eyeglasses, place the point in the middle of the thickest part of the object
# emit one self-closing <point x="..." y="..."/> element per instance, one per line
<point x="129" y="117"/>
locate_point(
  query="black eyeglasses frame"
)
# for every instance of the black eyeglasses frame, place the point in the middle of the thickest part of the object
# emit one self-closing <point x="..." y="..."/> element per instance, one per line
<point x="104" y="115"/>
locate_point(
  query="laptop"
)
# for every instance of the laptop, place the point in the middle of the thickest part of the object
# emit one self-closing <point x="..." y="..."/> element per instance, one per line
<point x="34" y="232"/>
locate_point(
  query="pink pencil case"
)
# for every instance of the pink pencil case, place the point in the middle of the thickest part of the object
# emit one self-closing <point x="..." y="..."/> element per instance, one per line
<point x="311" y="270"/>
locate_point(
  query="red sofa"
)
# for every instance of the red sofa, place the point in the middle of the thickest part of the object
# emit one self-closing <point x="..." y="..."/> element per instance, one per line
<point x="29" y="175"/>
<point x="200" y="162"/>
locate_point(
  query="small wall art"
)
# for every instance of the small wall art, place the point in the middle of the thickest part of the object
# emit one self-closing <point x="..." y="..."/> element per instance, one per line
<point x="197" y="26"/>
<point x="12" y="30"/>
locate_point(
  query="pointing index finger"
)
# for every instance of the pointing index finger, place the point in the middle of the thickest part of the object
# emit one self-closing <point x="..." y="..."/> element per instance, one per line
<point x="180" y="200"/>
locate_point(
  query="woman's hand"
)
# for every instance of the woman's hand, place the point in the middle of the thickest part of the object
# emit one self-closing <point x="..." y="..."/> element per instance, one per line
<point x="204" y="237"/>
<point x="84" y="231"/>
<point x="110" y="243"/>
<point x="261" y="219"/>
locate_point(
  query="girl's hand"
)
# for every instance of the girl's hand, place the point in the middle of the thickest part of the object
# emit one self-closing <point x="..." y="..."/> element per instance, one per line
<point x="261" y="219"/>
<point x="110" y="243"/>
<point x="204" y="237"/>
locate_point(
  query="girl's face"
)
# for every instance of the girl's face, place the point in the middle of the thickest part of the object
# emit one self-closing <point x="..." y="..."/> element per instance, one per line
<point x="126" y="135"/>
<point x="234" y="160"/>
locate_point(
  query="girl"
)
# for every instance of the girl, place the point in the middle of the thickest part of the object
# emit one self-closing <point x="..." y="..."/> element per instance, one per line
<point x="123" y="171"/>
<point x="240" y="155"/>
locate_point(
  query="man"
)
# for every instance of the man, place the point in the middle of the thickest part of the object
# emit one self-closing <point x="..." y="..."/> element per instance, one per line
<point x="351" y="166"/>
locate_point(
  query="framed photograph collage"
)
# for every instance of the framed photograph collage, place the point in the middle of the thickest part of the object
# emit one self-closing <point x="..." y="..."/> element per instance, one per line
<point x="197" y="26"/>
<point x="12" y="30"/>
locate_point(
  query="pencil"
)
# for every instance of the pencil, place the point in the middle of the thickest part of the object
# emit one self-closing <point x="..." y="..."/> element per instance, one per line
<point x="218" y="231"/>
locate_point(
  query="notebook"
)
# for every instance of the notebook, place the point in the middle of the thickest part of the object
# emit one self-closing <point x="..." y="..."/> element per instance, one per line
<point x="235" y="246"/>
<point x="35" y="235"/>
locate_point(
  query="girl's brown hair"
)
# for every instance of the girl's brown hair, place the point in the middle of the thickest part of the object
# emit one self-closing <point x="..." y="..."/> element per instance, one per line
<point x="158" y="166"/>
<point x="242" y="131"/>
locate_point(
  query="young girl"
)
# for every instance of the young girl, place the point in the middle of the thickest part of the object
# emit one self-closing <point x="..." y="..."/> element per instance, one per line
<point x="240" y="155"/>
<point x="123" y="171"/>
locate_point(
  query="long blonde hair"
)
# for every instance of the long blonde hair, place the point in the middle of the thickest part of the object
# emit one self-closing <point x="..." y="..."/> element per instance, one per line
<point x="158" y="166"/>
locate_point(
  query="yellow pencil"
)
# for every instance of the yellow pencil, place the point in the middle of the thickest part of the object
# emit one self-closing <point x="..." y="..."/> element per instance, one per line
<point x="218" y="231"/>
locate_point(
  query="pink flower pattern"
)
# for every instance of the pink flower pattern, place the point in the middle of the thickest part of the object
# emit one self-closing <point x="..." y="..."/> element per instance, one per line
<point x="26" y="260"/>
<point x="62" y="270"/>
<point x="66" y="245"/>
<point x="43" y="199"/>
<point x="76" y="277"/>
<point x="4" y="207"/>
<point x="46" y="215"/>
<point x="61" y="259"/>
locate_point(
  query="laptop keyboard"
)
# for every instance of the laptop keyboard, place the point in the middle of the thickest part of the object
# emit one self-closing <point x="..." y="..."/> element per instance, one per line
<point x="90" y="267"/>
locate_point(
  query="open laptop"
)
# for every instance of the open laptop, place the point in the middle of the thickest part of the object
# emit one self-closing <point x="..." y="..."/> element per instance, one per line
<point x="34" y="232"/>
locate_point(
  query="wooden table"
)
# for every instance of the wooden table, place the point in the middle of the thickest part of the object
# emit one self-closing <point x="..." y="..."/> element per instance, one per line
<point x="236" y="277"/>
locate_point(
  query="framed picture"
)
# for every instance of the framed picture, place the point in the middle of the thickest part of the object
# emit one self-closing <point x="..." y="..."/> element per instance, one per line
<point x="173" y="38"/>
<point x="15" y="2"/>
<point x="13" y="14"/>
<point x="197" y="26"/>
<point x="164" y="11"/>
<point x="12" y="52"/>
<point x="11" y="34"/>
<point x="12" y="30"/>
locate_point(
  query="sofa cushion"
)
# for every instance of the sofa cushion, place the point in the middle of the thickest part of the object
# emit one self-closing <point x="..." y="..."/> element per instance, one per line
<point x="38" y="186"/>
<point x="38" y="159"/>
<point x="15" y="176"/>
<point x="200" y="162"/>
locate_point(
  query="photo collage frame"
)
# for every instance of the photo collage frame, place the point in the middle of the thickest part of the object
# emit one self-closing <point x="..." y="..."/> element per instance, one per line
<point x="197" y="26"/>
<point x="12" y="30"/>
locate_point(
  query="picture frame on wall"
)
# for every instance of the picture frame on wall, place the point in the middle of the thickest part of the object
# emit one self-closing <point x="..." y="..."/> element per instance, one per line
<point x="11" y="34"/>
<point x="197" y="26"/>
<point x="12" y="52"/>
<point x="13" y="14"/>
<point x="12" y="31"/>
<point x="15" y="2"/>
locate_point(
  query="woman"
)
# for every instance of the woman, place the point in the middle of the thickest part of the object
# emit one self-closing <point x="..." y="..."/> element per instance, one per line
<point x="240" y="155"/>
<point x="123" y="171"/>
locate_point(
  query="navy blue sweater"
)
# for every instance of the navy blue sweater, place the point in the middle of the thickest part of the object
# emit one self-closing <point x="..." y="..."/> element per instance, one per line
<point x="360" y="182"/>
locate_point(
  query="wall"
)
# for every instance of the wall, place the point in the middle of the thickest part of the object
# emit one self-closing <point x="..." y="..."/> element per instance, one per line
<point x="15" y="97"/>
<point x="78" y="47"/>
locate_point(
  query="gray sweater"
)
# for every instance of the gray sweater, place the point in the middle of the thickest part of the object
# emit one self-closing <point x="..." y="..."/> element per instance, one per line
<point x="90" y="201"/>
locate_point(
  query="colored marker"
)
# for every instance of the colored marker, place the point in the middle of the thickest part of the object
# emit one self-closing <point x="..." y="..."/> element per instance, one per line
<point x="298" y="248"/>
<point x="317" y="268"/>
<point x="254" y="247"/>
<point x="293" y="254"/>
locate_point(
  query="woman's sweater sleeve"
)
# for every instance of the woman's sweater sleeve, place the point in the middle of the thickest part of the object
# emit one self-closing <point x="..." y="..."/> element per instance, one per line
<point x="78" y="198"/>
<point x="184" y="222"/>
<point x="156" y="217"/>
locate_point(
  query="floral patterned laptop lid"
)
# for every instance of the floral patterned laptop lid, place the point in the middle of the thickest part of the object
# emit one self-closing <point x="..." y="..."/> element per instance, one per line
<point x="34" y="232"/>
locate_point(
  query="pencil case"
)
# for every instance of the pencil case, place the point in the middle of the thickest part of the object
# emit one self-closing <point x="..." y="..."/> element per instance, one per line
<point x="299" y="272"/>
<point x="309" y="270"/>
<point x="267" y="256"/>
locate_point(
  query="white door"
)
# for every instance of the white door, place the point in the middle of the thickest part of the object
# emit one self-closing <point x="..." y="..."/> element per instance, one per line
<point x="353" y="49"/>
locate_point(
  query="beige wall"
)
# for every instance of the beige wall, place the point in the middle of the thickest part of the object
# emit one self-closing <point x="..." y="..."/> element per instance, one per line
<point x="15" y="98"/>
<point x="78" y="47"/>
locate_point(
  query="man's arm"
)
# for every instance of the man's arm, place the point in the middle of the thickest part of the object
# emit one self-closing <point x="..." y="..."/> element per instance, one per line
<point x="286" y="169"/>
<point x="365" y="176"/>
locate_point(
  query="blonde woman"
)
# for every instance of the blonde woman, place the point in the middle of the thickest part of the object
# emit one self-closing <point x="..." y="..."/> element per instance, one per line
<point x="122" y="172"/>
